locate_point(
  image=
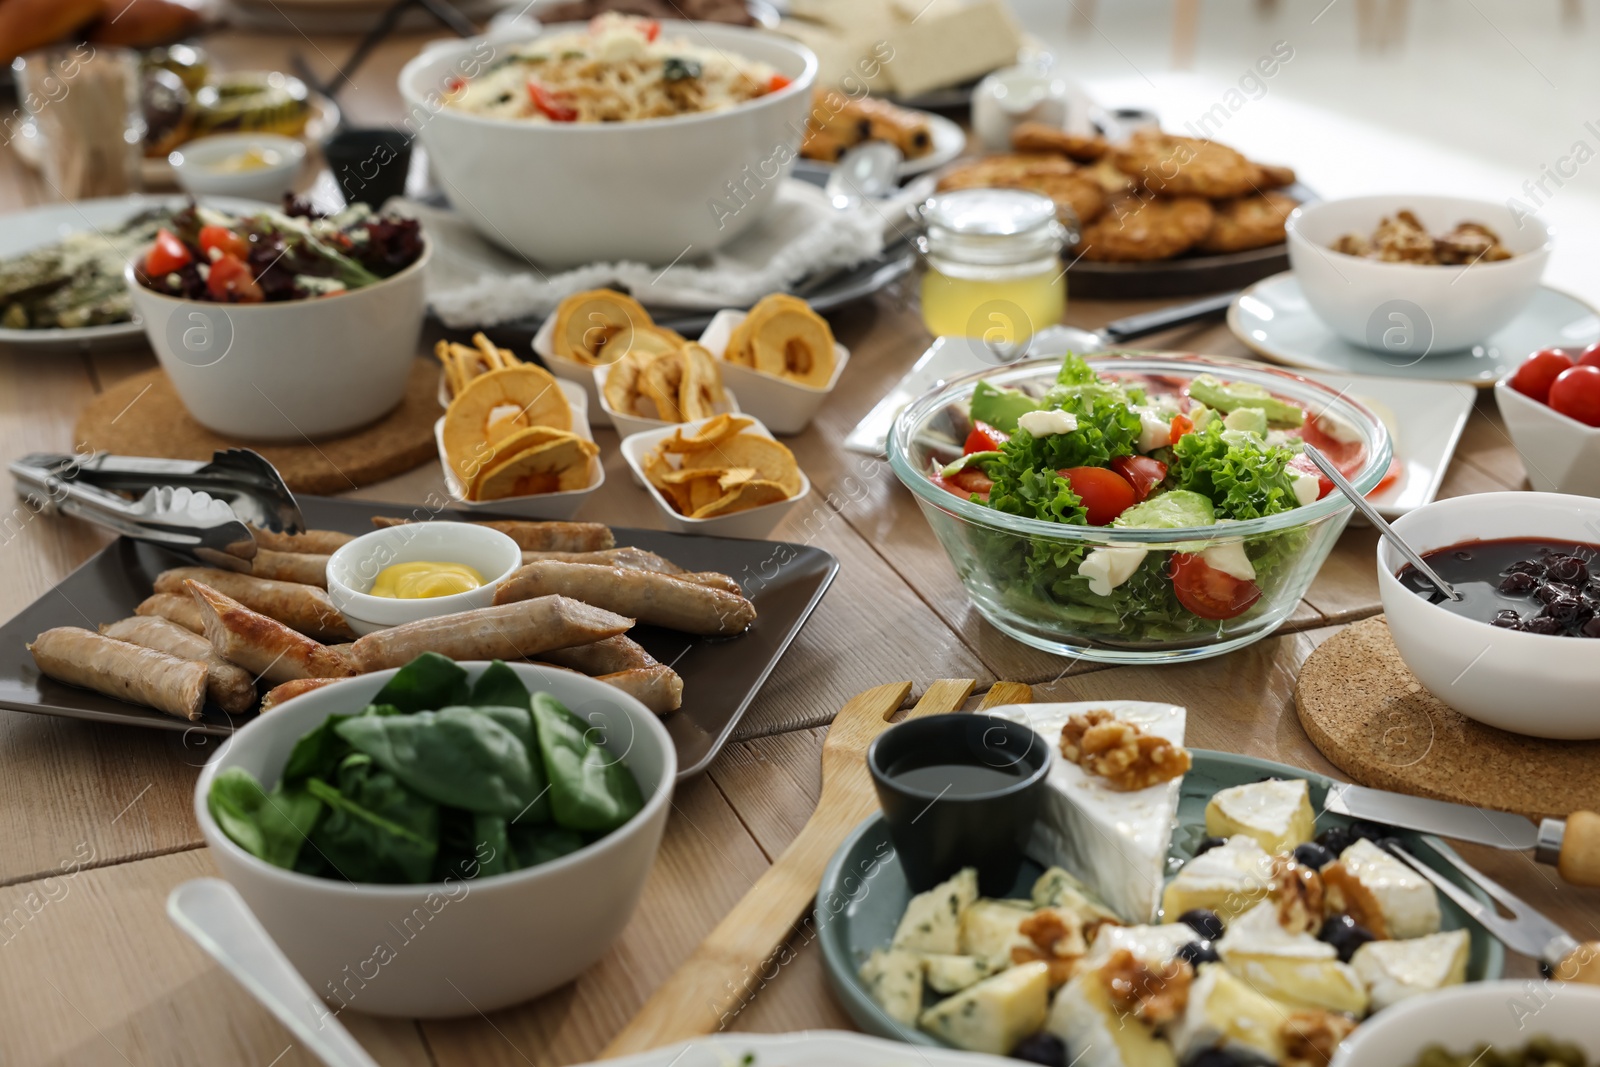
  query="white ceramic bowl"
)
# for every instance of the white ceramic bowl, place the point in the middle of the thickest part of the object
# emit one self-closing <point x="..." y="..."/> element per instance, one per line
<point x="755" y="522"/>
<point x="561" y="505"/>
<point x="565" y="194"/>
<point x="353" y="567"/>
<point x="195" y="166"/>
<point x="1560" y="454"/>
<point x="627" y="425"/>
<point x="785" y="407"/>
<point x="456" y="947"/>
<point x="1525" y="683"/>
<point x="1503" y="1014"/>
<point x="289" y="371"/>
<point x="1401" y="308"/>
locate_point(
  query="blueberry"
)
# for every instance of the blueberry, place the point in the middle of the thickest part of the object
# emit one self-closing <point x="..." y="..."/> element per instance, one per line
<point x="1345" y="935"/>
<point x="1198" y="952"/>
<point x="1518" y="584"/>
<point x="1336" y="839"/>
<point x="1542" y="624"/>
<point x="1507" y="619"/>
<point x="1370" y="831"/>
<point x="1313" y="855"/>
<point x="1041" y="1048"/>
<point x="1550" y="591"/>
<point x="1208" y="924"/>
<point x="1568" y="611"/>
<point x="1208" y="843"/>
<point x="1570" y="569"/>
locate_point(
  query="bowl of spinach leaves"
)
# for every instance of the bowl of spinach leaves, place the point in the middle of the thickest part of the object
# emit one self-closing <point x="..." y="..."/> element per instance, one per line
<point x="443" y="838"/>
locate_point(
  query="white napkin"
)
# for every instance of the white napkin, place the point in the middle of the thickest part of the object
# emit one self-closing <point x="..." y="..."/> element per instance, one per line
<point x="472" y="282"/>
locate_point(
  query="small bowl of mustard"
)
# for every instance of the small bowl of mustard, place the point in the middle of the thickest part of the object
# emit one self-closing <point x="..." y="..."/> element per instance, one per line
<point x="257" y="166"/>
<point x="420" y="570"/>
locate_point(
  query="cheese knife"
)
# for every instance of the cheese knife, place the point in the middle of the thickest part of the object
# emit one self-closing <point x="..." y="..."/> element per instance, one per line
<point x="1571" y="845"/>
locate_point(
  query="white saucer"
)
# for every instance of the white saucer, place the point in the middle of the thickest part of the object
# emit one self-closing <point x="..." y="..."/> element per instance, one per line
<point x="1273" y="319"/>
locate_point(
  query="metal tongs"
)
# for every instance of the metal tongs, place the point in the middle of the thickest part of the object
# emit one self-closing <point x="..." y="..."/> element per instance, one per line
<point x="202" y="510"/>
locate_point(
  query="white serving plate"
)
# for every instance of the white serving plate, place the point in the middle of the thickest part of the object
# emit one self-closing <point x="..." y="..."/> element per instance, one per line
<point x="814" y="1048"/>
<point x="949" y="141"/>
<point x="1274" y="320"/>
<point x="785" y="407"/>
<point x="755" y="522"/>
<point x="542" y="505"/>
<point x="628" y="425"/>
<point x="29" y="229"/>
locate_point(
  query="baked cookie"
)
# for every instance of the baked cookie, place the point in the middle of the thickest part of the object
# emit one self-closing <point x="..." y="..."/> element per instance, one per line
<point x="1273" y="176"/>
<point x="1078" y="197"/>
<point x="1185" y="166"/>
<point x="993" y="172"/>
<point x="1248" y="222"/>
<point x="1134" y="229"/>
<point x="1043" y="137"/>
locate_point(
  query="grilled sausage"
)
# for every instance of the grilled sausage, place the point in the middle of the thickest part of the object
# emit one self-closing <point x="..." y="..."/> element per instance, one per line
<point x="307" y="568"/>
<point x="657" y="599"/>
<point x="319" y="542"/>
<point x="508" y="631"/>
<point x="620" y="653"/>
<point x="229" y="686"/>
<point x="264" y="646"/>
<point x="539" y="536"/>
<point x="291" y="689"/>
<point x="300" y="607"/>
<point x="118" y="669"/>
<point x="639" y="559"/>
<point x="174" y="607"/>
<point x="658" y="688"/>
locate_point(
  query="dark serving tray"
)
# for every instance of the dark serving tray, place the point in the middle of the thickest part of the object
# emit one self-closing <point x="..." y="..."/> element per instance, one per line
<point x="721" y="676"/>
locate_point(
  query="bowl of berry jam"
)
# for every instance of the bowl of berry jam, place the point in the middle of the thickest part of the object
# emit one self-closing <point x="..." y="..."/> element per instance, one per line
<point x="1521" y="649"/>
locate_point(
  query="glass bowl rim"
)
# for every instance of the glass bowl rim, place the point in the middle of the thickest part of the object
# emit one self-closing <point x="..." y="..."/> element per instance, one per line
<point x="1295" y="386"/>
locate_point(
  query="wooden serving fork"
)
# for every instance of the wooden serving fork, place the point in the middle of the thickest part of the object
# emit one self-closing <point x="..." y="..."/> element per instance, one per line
<point x="710" y="983"/>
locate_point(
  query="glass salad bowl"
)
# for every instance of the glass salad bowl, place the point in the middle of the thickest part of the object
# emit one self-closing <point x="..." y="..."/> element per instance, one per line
<point x="1177" y="591"/>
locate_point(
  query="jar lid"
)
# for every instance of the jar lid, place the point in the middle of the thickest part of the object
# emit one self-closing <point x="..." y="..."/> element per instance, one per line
<point x="992" y="226"/>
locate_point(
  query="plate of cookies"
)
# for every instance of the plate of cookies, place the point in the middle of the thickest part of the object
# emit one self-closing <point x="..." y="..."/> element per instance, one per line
<point x="1156" y="215"/>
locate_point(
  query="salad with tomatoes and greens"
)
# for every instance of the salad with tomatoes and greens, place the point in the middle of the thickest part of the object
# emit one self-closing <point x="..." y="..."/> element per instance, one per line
<point x="1147" y="453"/>
<point x="295" y="254"/>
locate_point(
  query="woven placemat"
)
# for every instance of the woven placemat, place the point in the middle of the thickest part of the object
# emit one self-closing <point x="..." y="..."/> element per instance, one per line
<point x="1368" y="713"/>
<point x="122" y="421"/>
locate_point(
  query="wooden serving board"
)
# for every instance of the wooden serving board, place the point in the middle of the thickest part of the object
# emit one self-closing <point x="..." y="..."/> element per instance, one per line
<point x="1368" y="714"/>
<point x="142" y="416"/>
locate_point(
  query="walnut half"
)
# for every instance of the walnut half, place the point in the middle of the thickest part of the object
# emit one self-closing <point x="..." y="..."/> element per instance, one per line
<point x="1120" y="752"/>
<point x="1155" y="996"/>
<point x="1299" y="893"/>
<point x="1310" y="1037"/>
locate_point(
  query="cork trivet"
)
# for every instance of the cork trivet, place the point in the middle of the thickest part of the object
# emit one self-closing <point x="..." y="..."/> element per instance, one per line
<point x="1368" y="714"/>
<point x="122" y="421"/>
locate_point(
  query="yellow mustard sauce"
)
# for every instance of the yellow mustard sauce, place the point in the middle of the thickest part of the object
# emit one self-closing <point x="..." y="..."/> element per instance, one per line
<point x="422" y="579"/>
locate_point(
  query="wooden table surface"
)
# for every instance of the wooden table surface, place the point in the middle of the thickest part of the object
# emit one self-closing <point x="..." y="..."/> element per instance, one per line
<point x="95" y="821"/>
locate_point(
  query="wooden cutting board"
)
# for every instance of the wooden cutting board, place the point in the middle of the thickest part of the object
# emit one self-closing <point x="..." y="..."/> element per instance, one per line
<point x="143" y="416"/>
<point x="1368" y="714"/>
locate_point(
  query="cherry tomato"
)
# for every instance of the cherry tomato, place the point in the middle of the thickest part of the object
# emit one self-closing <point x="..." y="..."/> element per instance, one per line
<point x="1576" y="394"/>
<point x="1591" y="356"/>
<point x="652" y="29"/>
<point x="778" y="82"/>
<point x="1181" y="424"/>
<point x="1302" y="462"/>
<point x="220" y="237"/>
<point x="166" y="255"/>
<point x="1208" y="592"/>
<point x="1142" y="472"/>
<point x="230" y="280"/>
<point x="984" y="438"/>
<point x="1539" y="372"/>
<point x="1105" y="493"/>
<point x="550" y="105"/>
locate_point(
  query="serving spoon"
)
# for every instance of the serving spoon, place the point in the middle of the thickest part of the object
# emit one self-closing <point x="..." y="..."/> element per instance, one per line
<point x="213" y="913"/>
<point x="1377" y="520"/>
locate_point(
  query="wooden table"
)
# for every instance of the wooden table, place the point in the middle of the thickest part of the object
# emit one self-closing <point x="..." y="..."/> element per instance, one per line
<point x="95" y="821"/>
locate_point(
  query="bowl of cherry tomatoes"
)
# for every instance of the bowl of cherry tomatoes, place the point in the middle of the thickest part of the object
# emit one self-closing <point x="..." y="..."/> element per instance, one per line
<point x="1551" y="406"/>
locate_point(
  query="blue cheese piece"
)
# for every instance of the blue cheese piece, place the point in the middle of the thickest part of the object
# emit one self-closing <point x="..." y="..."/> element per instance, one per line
<point x="1408" y="902"/>
<point x="1115" y="841"/>
<point x="1056" y="888"/>
<point x="1224" y="1012"/>
<point x="1110" y="566"/>
<point x="1096" y="1034"/>
<point x="932" y="921"/>
<point x="1047" y="423"/>
<point x="952" y="974"/>
<point x="989" y="931"/>
<point x="1276" y="813"/>
<point x="995" y="1014"/>
<point x="1229" y="880"/>
<point x="894" y="978"/>
<point x="1294" y="968"/>
<point x="1395" y="970"/>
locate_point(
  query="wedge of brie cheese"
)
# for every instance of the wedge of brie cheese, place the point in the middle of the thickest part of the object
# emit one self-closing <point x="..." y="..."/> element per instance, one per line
<point x="1229" y="880"/>
<point x="995" y="1014"/>
<point x="1408" y="902"/>
<point x="1395" y="970"/>
<point x="1294" y="968"/>
<point x="894" y="978"/>
<point x="1152" y="946"/>
<point x="1096" y="1034"/>
<point x="1225" y="1013"/>
<point x="1115" y="842"/>
<point x="1276" y="813"/>
<point x="932" y="921"/>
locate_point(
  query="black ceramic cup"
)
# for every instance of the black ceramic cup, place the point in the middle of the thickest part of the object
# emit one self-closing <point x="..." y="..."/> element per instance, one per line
<point x="959" y="791"/>
<point x="370" y="165"/>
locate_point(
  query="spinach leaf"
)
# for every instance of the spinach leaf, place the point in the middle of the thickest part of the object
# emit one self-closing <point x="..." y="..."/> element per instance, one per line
<point x="491" y="845"/>
<point x="455" y="756"/>
<point x="317" y="754"/>
<point x="519" y="720"/>
<point x="376" y="829"/>
<point x="541" y="844"/>
<point x="427" y="682"/>
<point x="271" y="826"/>
<point x="498" y="684"/>
<point x="590" y="789"/>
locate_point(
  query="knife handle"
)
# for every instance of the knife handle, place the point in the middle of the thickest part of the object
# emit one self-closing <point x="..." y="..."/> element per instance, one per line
<point x="1582" y="965"/>
<point x="1579" y="862"/>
